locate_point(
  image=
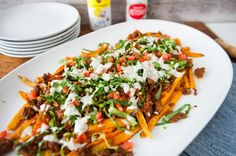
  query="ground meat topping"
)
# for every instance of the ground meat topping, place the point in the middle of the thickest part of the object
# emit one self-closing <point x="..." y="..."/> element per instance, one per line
<point x="178" y="117"/>
<point x="28" y="113"/>
<point x="5" y="146"/>
<point x="199" y="72"/>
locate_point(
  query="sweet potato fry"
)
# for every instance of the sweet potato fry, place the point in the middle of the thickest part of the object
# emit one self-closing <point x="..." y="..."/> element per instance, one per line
<point x="173" y="86"/>
<point x="16" y="134"/>
<point x="107" y="123"/>
<point x="152" y="123"/>
<point x="142" y="123"/>
<point x="59" y="70"/>
<point x="193" y="54"/>
<point x="26" y="81"/>
<point x="14" y="123"/>
<point x="23" y="95"/>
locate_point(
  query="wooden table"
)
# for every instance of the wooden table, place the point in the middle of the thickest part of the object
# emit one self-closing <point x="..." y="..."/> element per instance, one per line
<point x="7" y="64"/>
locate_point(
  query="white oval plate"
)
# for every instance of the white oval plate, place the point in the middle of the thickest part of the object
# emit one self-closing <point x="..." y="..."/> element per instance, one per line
<point x="35" y="52"/>
<point x="36" y="21"/>
<point x="48" y="40"/>
<point x="212" y="89"/>
<point x="30" y="49"/>
<point x="39" y="44"/>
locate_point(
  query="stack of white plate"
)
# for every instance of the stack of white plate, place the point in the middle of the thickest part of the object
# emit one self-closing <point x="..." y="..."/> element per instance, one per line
<point x="31" y="29"/>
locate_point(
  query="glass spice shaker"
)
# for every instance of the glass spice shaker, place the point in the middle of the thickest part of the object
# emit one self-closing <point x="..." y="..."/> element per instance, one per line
<point x="99" y="13"/>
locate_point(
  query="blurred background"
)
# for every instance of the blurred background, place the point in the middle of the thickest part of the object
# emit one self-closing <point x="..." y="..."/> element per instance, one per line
<point x="174" y="10"/>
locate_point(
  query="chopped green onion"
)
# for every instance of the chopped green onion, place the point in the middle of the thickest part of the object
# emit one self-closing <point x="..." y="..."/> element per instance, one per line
<point x="113" y="110"/>
<point x="166" y="119"/>
<point x="158" y="94"/>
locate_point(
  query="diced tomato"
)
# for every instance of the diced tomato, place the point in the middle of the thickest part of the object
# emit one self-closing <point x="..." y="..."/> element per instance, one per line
<point x="110" y="59"/>
<point x="32" y="94"/>
<point x="145" y="53"/>
<point x="65" y="89"/>
<point x="82" y="138"/>
<point x="76" y="102"/>
<point x="86" y="73"/>
<point x="166" y="57"/>
<point x="141" y="59"/>
<point x="3" y="134"/>
<point x="131" y="57"/>
<point x="110" y="95"/>
<point x="72" y="63"/>
<point x="182" y="57"/>
<point x="159" y="54"/>
<point x="118" y="67"/>
<point x="119" y="107"/>
<point x="99" y="116"/>
<point x="146" y="57"/>
<point x="166" y="36"/>
<point x="116" y="96"/>
<point x="113" y="95"/>
<point x="128" y="146"/>
<point x="169" y="56"/>
<point x="122" y="60"/>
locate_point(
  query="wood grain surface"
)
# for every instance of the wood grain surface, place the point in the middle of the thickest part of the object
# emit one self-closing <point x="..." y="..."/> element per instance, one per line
<point x="7" y="64"/>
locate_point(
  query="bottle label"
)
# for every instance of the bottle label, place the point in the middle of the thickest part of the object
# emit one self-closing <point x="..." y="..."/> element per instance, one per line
<point x="137" y="11"/>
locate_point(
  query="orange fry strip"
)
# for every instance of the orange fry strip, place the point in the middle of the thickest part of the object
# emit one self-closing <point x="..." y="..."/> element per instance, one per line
<point x="191" y="80"/>
<point x="101" y="49"/>
<point x="23" y="95"/>
<point x="152" y="123"/>
<point x="16" y="119"/>
<point x="193" y="54"/>
<point x="175" y="99"/>
<point x="107" y="123"/>
<point x="186" y="82"/>
<point x="184" y="49"/>
<point x="109" y="135"/>
<point x="173" y="86"/>
<point x="59" y="70"/>
<point x="26" y="81"/>
<point x="142" y="122"/>
<point x="117" y="140"/>
<point x="122" y="137"/>
<point x="16" y="134"/>
<point x="49" y="153"/>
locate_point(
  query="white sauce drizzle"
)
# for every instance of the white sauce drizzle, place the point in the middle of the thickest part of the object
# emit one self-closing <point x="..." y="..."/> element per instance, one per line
<point x="81" y="125"/>
<point x="27" y="132"/>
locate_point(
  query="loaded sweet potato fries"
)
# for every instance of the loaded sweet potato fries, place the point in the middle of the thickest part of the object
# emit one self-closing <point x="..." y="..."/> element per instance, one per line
<point x="96" y="102"/>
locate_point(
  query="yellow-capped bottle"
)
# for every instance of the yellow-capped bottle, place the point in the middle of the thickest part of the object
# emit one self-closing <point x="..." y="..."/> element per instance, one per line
<point x="99" y="13"/>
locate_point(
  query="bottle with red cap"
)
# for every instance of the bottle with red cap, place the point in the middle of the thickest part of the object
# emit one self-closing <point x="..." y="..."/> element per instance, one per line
<point x="136" y="9"/>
